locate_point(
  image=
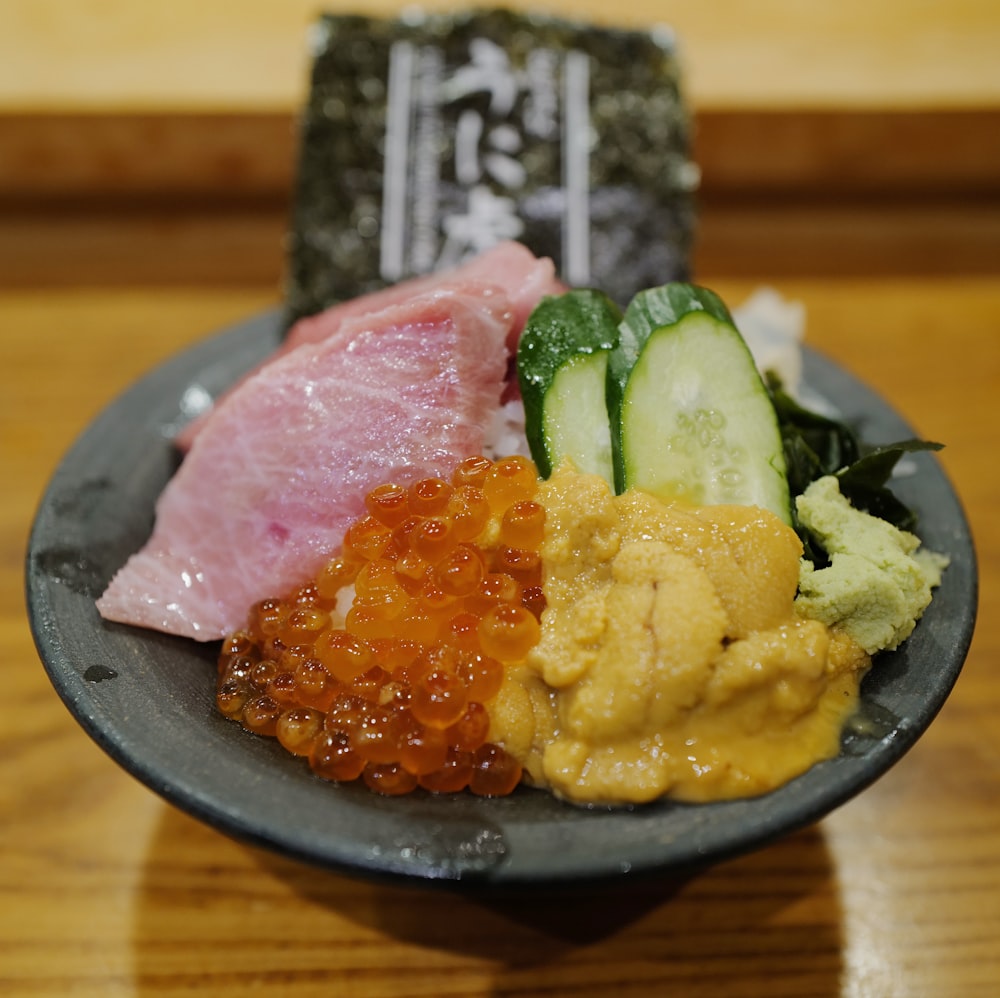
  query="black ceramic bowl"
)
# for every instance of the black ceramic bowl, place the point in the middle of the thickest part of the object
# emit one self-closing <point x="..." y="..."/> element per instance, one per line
<point x="148" y="699"/>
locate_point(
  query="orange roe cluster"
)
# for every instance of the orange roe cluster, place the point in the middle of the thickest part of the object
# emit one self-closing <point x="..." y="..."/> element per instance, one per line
<point x="446" y="580"/>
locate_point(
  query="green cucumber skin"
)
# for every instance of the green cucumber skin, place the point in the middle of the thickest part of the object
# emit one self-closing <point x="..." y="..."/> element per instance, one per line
<point x="560" y="331"/>
<point x="658" y="389"/>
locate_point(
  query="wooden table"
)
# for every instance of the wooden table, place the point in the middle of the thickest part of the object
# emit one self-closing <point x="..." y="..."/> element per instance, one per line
<point x="107" y="890"/>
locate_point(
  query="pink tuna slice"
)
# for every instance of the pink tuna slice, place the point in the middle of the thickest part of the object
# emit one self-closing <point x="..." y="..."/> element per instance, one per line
<point x="510" y="266"/>
<point x="523" y="277"/>
<point x="265" y="495"/>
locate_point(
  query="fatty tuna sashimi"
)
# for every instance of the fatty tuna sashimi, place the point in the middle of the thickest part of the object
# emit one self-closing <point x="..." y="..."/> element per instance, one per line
<point x="270" y="486"/>
<point x="509" y="267"/>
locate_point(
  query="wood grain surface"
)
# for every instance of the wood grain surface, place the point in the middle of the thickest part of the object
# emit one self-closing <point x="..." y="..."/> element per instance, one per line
<point x="186" y="98"/>
<point x="106" y="890"/>
<point x="123" y="55"/>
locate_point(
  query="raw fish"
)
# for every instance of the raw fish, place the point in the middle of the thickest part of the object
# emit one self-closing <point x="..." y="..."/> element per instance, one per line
<point x="509" y="266"/>
<point x="271" y="483"/>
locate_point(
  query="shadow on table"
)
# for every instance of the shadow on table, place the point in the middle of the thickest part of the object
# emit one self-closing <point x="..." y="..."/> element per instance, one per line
<point x="232" y="917"/>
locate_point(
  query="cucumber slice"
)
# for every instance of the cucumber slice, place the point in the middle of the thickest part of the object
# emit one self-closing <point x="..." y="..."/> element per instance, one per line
<point x="691" y="417"/>
<point x="562" y="362"/>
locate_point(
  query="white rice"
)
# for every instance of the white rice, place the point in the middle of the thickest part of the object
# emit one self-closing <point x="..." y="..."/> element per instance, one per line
<point x="774" y="329"/>
<point x="506" y="434"/>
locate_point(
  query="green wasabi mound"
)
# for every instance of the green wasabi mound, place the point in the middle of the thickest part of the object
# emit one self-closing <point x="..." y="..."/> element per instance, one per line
<point x="879" y="579"/>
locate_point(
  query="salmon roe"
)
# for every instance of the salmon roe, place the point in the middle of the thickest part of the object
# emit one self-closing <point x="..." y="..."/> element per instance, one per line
<point x="445" y="586"/>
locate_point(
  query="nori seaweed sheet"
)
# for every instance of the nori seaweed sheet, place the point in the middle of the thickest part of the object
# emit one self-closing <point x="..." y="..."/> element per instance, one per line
<point x="435" y="110"/>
